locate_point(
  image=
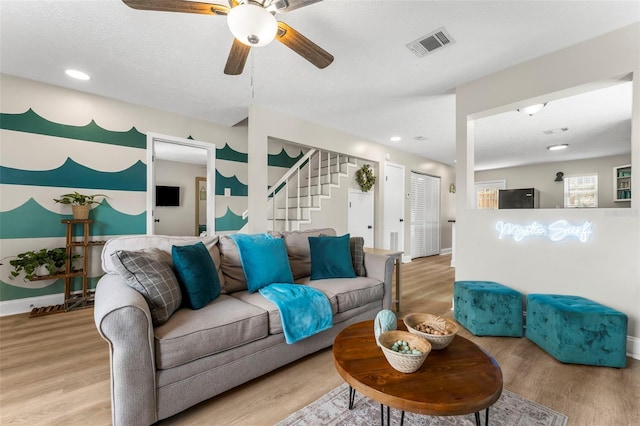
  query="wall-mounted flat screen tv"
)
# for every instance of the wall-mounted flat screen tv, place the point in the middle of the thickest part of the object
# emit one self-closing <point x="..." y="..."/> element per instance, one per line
<point x="167" y="195"/>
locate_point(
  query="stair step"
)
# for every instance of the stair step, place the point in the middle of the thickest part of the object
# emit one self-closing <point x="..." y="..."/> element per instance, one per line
<point x="313" y="201"/>
<point x="304" y="213"/>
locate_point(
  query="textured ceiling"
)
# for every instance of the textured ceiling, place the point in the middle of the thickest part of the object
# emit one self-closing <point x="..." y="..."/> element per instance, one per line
<point x="376" y="88"/>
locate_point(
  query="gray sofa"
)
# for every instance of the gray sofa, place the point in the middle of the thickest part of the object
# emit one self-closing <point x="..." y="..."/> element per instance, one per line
<point x="159" y="371"/>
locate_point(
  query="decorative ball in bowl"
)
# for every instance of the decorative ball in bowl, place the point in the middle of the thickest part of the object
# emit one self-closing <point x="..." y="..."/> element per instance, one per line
<point x="405" y="352"/>
<point x="437" y="330"/>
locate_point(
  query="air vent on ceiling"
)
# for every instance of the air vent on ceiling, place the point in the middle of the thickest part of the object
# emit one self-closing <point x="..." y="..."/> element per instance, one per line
<point x="431" y="42"/>
<point x="554" y="131"/>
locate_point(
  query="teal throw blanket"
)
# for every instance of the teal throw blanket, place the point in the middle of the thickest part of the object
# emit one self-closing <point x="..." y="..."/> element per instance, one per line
<point x="304" y="311"/>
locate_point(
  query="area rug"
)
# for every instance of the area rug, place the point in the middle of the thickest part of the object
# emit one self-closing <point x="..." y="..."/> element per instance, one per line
<point x="332" y="409"/>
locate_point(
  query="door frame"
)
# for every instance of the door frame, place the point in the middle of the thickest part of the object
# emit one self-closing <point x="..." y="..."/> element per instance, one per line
<point x="387" y="212"/>
<point x="211" y="177"/>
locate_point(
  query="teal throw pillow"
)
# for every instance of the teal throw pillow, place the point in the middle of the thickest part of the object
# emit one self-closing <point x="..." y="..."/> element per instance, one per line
<point x="264" y="260"/>
<point x="331" y="257"/>
<point x="196" y="274"/>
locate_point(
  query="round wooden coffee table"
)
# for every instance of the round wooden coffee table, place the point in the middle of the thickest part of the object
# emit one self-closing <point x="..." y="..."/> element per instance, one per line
<point x="460" y="379"/>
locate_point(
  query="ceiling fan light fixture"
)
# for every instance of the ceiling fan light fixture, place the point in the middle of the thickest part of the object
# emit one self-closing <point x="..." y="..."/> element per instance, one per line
<point x="532" y="109"/>
<point x="252" y="25"/>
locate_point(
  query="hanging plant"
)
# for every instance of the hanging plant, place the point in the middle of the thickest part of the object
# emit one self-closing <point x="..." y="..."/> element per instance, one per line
<point x="365" y="177"/>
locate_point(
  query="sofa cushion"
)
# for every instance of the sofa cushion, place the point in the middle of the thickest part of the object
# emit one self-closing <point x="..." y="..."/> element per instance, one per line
<point x="264" y="260"/>
<point x="223" y="324"/>
<point x="196" y="274"/>
<point x="349" y="292"/>
<point x="331" y="257"/>
<point x="231" y="266"/>
<point x="150" y="273"/>
<point x="298" y="251"/>
<point x="161" y="242"/>
<point x="356" y="245"/>
<point x="275" y="321"/>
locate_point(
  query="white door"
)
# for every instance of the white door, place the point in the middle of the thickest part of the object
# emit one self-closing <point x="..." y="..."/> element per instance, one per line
<point x="360" y="216"/>
<point x="393" y="232"/>
<point x="425" y="215"/>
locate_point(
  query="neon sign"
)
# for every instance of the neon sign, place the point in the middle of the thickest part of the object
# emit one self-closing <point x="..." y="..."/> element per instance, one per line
<point x="557" y="231"/>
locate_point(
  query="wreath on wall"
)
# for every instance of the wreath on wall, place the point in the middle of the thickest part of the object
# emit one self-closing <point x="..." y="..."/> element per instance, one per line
<point x="365" y="177"/>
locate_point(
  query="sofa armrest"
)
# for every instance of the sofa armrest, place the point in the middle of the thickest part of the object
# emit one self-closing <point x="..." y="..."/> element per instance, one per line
<point x="381" y="267"/>
<point x="123" y="319"/>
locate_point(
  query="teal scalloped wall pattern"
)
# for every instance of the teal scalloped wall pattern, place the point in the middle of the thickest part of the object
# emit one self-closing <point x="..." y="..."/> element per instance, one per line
<point x="31" y="122"/>
<point x="238" y="188"/>
<point x="31" y="220"/>
<point x="230" y="154"/>
<point x="283" y="159"/>
<point x="75" y="175"/>
<point x="230" y="221"/>
<point x="11" y="291"/>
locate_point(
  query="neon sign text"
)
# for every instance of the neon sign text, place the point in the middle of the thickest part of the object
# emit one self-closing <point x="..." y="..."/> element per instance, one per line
<point x="557" y="231"/>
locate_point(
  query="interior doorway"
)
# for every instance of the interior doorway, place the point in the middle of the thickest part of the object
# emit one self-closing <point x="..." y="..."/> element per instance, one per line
<point x="360" y="216"/>
<point x="425" y="215"/>
<point x="170" y="149"/>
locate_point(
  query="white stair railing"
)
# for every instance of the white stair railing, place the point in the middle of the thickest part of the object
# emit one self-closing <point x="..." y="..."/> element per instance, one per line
<point x="282" y="196"/>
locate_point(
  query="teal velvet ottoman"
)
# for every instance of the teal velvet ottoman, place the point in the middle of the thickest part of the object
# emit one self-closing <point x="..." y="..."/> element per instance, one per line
<point x="487" y="308"/>
<point x="576" y="330"/>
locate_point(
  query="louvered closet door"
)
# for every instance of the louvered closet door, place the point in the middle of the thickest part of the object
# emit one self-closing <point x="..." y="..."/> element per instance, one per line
<point x="425" y="215"/>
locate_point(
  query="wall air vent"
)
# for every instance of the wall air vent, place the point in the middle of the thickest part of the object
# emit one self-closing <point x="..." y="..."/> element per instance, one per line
<point x="431" y="42"/>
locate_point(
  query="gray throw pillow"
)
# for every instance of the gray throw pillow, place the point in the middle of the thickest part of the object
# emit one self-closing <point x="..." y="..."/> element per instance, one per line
<point x="356" y="245"/>
<point x="150" y="273"/>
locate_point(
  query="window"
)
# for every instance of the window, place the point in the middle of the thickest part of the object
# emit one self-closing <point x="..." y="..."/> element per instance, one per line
<point x="581" y="191"/>
<point x="487" y="193"/>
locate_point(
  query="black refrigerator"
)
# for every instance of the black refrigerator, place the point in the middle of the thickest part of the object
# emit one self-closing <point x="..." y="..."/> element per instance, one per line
<point x="525" y="198"/>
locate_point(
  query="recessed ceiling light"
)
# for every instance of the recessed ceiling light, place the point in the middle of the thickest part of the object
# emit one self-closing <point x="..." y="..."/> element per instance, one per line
<point x="532" y="109"/>
<point x="395" y="139"/>
<point x="79" y="75"/>
<point x="558" y="147"/>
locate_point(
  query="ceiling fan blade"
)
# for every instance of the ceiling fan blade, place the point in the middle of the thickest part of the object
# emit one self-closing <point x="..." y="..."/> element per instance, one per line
<point x="178" y="6"/>
<point x="303" y="46"/>
<point x="234" y="3"/>
<point x="237" y="58"/>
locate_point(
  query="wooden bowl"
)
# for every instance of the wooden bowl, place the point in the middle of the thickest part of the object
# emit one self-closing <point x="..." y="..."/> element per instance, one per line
<point x="405" y="363"/>
<point x="437" y="341"/>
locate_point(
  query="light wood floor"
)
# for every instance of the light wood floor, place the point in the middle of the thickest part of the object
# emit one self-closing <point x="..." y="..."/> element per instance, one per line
<point x="54" y="371"/>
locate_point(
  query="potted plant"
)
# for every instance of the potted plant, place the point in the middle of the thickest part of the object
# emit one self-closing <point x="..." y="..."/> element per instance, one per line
<point x="40" y="262"/>
<point x="80" y="203"/>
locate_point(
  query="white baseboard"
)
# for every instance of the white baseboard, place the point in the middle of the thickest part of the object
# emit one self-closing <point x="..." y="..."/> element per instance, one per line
<point x="633" y="347"/>
<point x="406" y="258"/>
<point x="20" y="306"/>
<point x="448" y="250"/>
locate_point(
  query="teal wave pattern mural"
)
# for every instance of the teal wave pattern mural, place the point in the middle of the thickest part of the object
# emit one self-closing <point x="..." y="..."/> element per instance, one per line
<point x="238" y="188"/>
<point x="283" y="159"/>
<point x="10" y="291"/>
<point x="31" y="220"/>
<point x="230" y="154"/>
<point x="31" y="122"/>
<point x="230" y="221"/>
<point x="75" y="175"/>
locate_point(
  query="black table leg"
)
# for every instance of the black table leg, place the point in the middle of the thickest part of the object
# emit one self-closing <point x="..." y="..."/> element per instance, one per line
<point x="477" y="413"/>
<point x="352" y="397"/>
<point x="402" y="418"/>
<point x="486" y="417"/>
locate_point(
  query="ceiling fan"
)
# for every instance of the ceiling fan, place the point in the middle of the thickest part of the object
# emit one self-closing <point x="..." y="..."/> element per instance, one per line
<point x="252" y="23"/>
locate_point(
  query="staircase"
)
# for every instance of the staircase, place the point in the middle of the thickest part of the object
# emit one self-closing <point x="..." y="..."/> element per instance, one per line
<point x="299" y="193"/>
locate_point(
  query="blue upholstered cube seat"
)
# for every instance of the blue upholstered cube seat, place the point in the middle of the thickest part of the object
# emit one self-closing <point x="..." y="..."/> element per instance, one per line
<point x="576" y="330"/>
<point x="487" y="308"/>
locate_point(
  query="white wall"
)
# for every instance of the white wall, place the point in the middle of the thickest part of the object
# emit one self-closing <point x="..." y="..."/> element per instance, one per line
<point x="606" y="268"/>
<point x="265" y="123"/>
<point x="541" y="177"/>
<point x="180" y="220"/>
